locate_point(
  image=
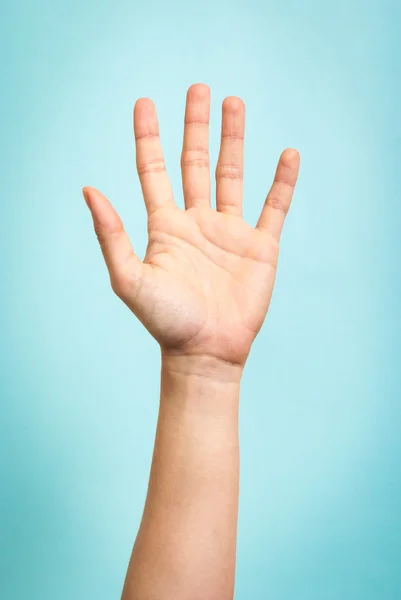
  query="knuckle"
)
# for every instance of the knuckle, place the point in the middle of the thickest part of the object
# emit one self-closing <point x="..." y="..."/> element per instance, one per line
<point x="155" y="165"/>
<point x="195" y="158"/>
<point x="276" y="201"/>
<point x="118" y="283"/>
<point x="200" y="121"/>
<point x="147" y="136"/>
<point x="228" y="171"/>
<point x="287" y="182"/>
<point x="100" y="234"/>
<point x="233" y="136"/>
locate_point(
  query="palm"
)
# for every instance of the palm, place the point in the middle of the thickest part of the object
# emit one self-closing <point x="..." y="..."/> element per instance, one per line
<point x="206" y="281"/>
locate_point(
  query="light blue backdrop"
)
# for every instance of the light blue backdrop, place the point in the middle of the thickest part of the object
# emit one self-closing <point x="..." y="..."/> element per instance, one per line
<point x="320" y="513"/>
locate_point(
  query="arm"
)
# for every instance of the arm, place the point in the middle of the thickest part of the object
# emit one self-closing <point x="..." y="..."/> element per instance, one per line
<point x="186" y="543"/>
<point x="202" y="291"/>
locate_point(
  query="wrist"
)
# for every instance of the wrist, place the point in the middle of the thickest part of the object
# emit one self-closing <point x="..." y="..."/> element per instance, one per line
<point x="201" y="386"/>
<point x="202" y="366"/>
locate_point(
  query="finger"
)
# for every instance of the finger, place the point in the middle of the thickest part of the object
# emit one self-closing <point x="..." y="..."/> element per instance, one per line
<point x="114" y="242"/>
<point x="156" y="187"/>
<point x="230" y="164"/>
<point x="279" y="198"/>
<point x="195" y="149"/>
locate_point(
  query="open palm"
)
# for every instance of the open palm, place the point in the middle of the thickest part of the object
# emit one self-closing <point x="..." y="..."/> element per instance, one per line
<point x="206" y="281"/>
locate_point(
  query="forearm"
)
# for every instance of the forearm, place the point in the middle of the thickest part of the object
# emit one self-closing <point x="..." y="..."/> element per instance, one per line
<point x="185" y="548"/>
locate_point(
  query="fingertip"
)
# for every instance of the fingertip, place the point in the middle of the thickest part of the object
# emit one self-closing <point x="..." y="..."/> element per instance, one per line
<point x="233" y="104"/>
<point x="86" y="194"/>
<point x="290" y="157"/>
<point x="144" y="106"/>
<point x="145" y="119"/>
<point x="198" y="92"/>
<point x="89" y="193"/>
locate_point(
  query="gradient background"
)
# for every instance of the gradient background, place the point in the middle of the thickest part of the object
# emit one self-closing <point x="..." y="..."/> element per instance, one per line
<point x="320" y="511"/>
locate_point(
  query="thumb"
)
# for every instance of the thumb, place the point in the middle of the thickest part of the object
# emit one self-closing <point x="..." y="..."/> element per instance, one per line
<point x="115" y="244"/>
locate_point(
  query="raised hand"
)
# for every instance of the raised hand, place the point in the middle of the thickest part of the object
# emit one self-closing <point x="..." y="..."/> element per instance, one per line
<point x="204" y="286"/>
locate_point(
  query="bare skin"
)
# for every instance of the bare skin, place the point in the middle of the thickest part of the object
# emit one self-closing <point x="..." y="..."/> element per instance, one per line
<point x="202" y="291"/>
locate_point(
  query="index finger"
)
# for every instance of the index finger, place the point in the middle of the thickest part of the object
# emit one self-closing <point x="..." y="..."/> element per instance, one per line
<point x="155" y="183"/>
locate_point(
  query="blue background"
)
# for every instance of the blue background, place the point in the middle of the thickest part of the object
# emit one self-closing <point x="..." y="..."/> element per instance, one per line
<point x="320" y="510"/>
